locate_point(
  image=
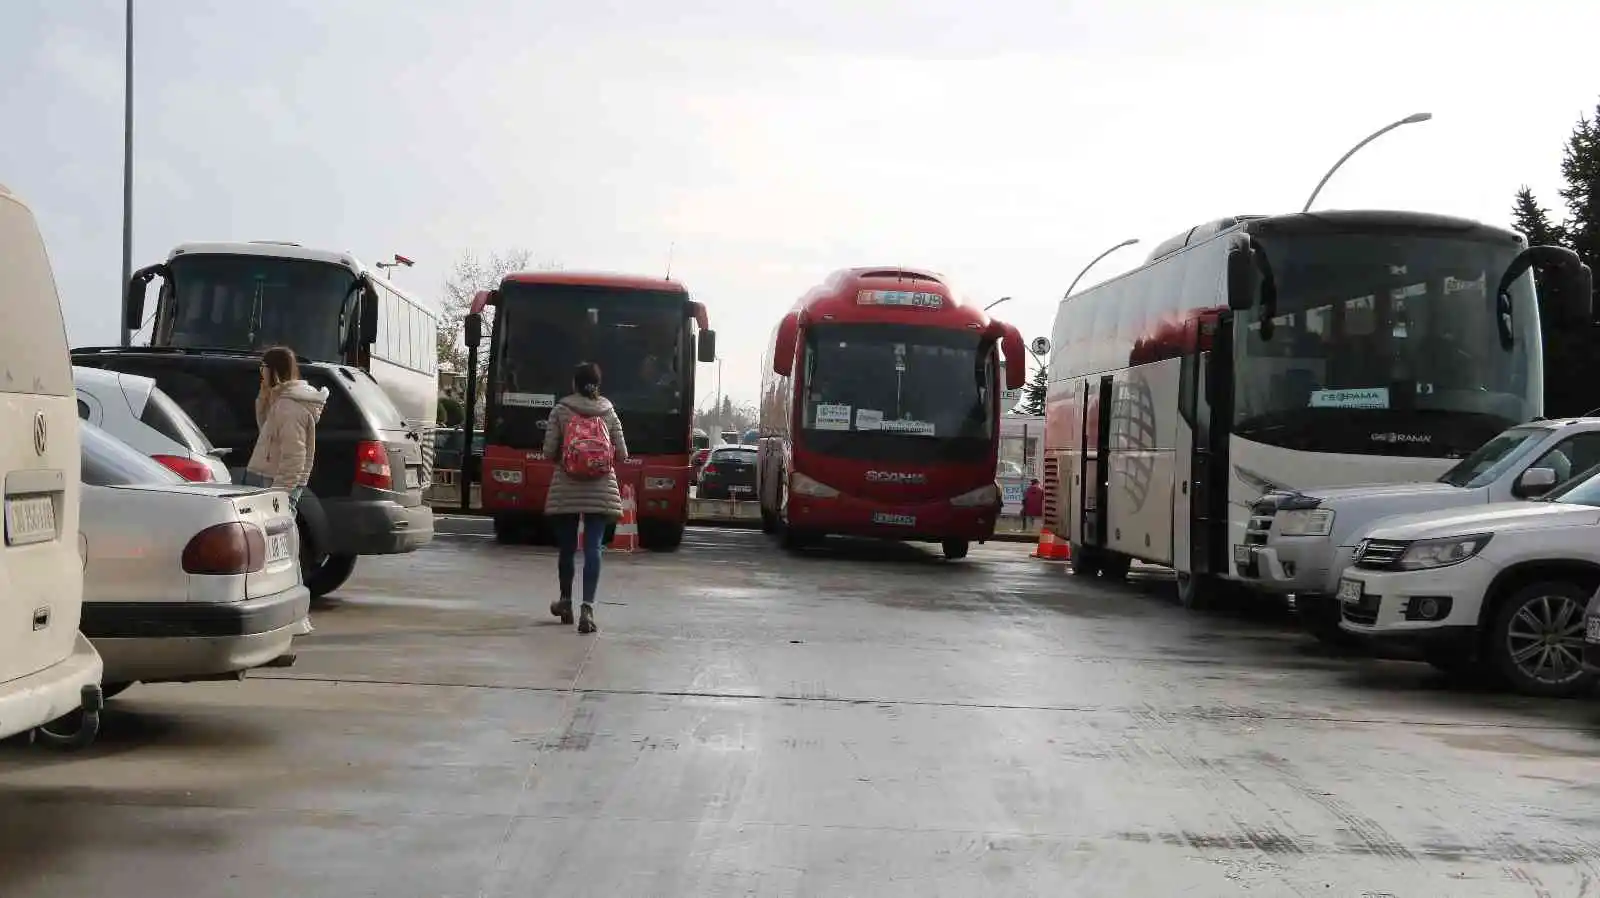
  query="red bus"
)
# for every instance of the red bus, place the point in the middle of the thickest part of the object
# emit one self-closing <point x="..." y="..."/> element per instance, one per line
<point x="641" y="331"/>
<point x="880" y="412"/>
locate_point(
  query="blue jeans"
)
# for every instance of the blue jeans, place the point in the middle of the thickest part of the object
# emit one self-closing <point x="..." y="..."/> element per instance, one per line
<point x="594" y="535"/>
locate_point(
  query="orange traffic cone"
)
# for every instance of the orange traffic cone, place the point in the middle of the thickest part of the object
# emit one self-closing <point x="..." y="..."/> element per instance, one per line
<point x="1052" y="548"/>
<point x="626" y="537"/>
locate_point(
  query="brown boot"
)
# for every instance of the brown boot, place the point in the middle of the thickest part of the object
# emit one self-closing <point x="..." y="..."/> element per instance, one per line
<point x="586" y="620"/>
<point x="562" y="608"/>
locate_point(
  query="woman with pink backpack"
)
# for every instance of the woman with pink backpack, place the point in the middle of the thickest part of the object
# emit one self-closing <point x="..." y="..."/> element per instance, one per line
<point x="584" y="436"/>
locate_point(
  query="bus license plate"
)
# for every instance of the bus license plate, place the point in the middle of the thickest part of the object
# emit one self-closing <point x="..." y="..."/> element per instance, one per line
<point x="30" y="519"/>
<point x="278" y="547"/>
<point x="1350" y="591"/>
<point x="1592" y="630"/>
<point x="1241" y="555"/>
<point x="898" y="520"/>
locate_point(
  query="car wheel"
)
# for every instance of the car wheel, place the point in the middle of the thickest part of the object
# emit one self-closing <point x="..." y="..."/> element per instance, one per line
<point x="1319" y="616"/>
<point x="1536" y="640"/>
<point x="1085" y="560"/>
<point x="956" y="549"/>
<point x="1196" y="592"/>
<point x="328" y="574"/>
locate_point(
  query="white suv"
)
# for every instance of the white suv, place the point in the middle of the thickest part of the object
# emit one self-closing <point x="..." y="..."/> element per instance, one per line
<point x="1497" y="589"/>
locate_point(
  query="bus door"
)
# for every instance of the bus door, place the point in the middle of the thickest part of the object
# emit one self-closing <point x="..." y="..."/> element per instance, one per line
<point x="1096" y="480"/>
<point x="1200" y="517"/>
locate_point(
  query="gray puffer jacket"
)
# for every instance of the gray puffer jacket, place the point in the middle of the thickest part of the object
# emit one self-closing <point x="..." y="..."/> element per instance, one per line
<point x="572" y="496"/>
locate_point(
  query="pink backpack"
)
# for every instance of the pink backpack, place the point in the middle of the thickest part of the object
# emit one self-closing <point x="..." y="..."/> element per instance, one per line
<point x="586" y="452"/>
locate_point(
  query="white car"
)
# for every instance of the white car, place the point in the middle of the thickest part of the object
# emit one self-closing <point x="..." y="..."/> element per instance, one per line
<point x="212" y="592"/>
<point x="137" y="412"/>
<point x="1498" y="589"/>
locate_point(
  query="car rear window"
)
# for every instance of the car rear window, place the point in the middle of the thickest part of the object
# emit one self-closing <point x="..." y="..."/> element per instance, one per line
<point x="161" y="413"/>
<point x="736" y="456"/>
<point x="107" y="461"/>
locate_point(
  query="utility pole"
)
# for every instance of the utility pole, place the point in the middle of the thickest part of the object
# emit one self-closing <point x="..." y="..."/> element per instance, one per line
<point x="127" y="178"/>
<point x="719" y="399"/>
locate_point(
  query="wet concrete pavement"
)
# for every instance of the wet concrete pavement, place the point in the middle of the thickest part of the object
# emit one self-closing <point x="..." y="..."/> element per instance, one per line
<point x="866" y="720"/>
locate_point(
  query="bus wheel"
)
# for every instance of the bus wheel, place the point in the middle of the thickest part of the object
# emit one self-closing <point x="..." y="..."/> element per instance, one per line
<point x="1196" y="592"/>
<point x="1085" y="560"/>
<point x="660" y="536"/>
<point x="769" y="522"/>
<point x="507" y="530"/>
<point x="793" y="539"/>
<point x="1115" y="567"/>
<point x="956" y="549"/>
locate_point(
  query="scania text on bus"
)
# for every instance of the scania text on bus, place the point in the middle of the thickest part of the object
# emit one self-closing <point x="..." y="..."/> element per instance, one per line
<point x="880" y="412"/>
<point x="641" y="332"/>
<point x="1274" y="353"/>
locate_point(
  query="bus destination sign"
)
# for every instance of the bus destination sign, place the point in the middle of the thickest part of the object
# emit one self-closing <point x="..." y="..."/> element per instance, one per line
<point x="907" y="298"/>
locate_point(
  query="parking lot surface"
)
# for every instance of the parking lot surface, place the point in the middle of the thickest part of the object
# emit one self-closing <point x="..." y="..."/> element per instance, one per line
<point x="862" y="720"/>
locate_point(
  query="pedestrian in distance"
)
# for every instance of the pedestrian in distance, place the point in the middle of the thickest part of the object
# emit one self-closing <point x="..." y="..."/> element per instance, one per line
<point x="287" y="411"/>
<point x="1032" y="503"/>
<point x="584" y="436"/>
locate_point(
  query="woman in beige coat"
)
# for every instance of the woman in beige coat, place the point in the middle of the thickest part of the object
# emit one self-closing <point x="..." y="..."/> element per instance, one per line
<point x="596" y="501"/>
<point x="287" y="411"/>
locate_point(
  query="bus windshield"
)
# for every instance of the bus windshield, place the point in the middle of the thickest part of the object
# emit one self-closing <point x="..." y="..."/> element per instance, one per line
<point x="252" y="302"/>
<point x="898" y="392"/>
<point x="638" y="338"/>
<point x="1385" y="344"/>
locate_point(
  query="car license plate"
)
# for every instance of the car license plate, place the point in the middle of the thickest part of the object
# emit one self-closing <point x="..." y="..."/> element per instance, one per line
<point x="1350" y="591"/>
<point x="1241" y="554"/>
<point x="413" y="478"/>
<point x="738" y="489"/>
<point x="1592" y="630"/>
<point x="278" y="547"/>
<point x="30" y="519"/>
<point x="898" y="520"/>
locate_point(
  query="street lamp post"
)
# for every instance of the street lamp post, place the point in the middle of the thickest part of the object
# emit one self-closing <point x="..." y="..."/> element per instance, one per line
<point x="1092" y="262"/>
<point x="127" y="176"/>
<point x="1412" y="119"/>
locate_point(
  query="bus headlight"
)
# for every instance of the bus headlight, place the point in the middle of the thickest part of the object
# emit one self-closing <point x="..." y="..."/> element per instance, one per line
<point x="507" y="476"/>
<point x="801" y="485"/>
<point x="988" y="494"/>
<point x="1305" y="522"/>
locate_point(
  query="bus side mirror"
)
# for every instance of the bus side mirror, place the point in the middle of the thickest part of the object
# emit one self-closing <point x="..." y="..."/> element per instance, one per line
<point x="369" y="313"/>
<point x="1244" y="282"/>
<point x="1568" y="282"/>
<point x="707" y="349"/>
<point x="474" y="326"/>
<point x="784" y="344"/>
<point x="133" y="298"/>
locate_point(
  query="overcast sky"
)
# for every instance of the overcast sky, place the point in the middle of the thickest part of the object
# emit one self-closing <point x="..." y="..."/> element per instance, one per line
<point x="1004" y="143"/>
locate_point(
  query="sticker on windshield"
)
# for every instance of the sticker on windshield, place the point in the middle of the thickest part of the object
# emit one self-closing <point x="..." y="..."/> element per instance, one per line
<point x="869" y="419"/>
<point x="1370" y="397"/>
<point x="915" y="428"/>
<point x="528" y="400"/>
<point x="832" y="417"/>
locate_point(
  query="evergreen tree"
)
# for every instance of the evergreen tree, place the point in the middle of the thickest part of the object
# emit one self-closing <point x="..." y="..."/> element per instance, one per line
<point x="1034" y="393"/>
<point x="1534" y="222"/>
<point x="1580" y="166"/>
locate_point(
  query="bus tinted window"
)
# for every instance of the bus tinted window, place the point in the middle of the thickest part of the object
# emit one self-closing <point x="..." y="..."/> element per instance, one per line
<point x="252" y="302"/>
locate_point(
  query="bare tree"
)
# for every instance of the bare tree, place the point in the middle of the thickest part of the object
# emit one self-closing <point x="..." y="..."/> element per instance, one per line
<point x="471" y="274"/>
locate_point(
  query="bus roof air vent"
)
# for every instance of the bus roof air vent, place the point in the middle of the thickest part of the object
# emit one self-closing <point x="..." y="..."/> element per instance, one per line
<point x="1197" y="234"/>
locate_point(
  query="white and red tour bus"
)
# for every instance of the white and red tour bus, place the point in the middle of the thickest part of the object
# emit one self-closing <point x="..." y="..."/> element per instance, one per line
<point x="880" y="410"/>
<point x="641" y="332"/>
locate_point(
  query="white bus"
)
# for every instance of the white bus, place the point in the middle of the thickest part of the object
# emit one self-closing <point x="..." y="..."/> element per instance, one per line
<point x="1270" y="353"/>
<point x="325" y="305"/>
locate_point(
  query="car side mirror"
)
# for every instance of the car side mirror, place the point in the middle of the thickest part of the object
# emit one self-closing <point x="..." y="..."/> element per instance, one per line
<point x="1536" y="481"/>
<point x="474" y="328"/>
<point x="706" y="351"/>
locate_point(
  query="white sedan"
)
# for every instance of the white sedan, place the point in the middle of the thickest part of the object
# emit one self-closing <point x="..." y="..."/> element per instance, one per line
<point x="184" y="581"/>
<point x="137" y="412"/>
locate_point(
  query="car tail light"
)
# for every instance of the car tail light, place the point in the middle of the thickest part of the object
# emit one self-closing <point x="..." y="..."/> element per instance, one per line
<point x="372" y="465"/>
<point x="226" y="549"/>
<point x="709" y="469"/>
<point x="187" y="468"/>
